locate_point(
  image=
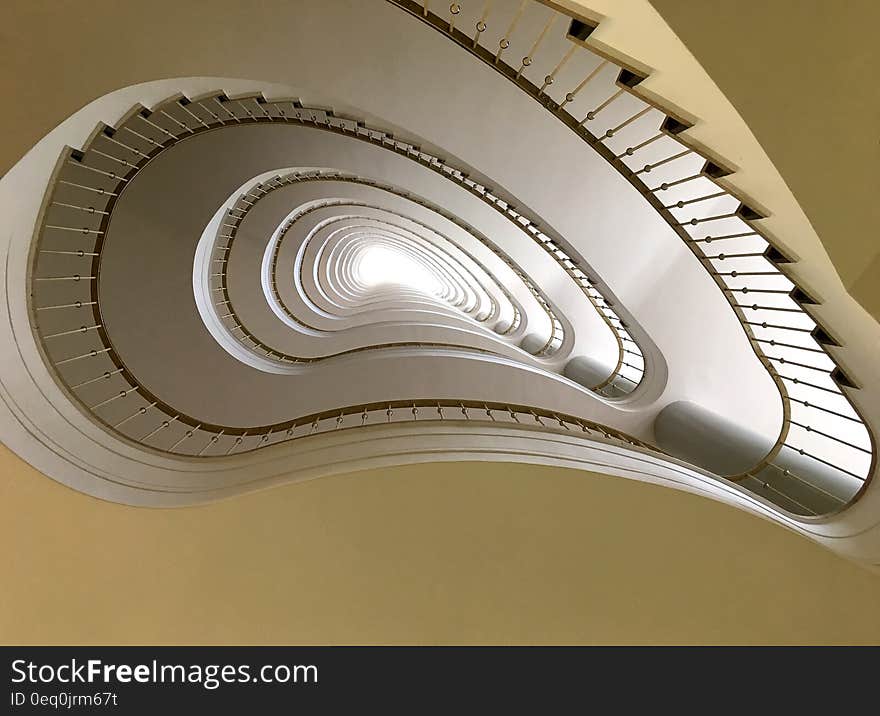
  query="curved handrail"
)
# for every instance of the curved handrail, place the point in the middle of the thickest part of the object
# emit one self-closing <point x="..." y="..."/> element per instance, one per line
<point x="70" y="176"/>
<point x="235" y="215"/>
<point x="85" y="174"/>
<point x="820" y="423"/>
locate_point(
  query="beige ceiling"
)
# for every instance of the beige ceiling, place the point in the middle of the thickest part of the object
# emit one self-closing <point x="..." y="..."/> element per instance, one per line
<point x="455" y="553"/>
<point x="470" y="552"/>
<point x="800" y="74"/>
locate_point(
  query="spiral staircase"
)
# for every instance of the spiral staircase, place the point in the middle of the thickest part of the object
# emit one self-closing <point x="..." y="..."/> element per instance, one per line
<point x="500" y="249"/>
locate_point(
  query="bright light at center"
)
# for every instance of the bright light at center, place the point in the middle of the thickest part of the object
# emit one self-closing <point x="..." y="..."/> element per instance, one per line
<point x="382" y="266"/>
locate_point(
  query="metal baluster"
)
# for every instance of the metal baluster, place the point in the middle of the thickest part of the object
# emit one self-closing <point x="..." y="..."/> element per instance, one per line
<point x="78" y="230"/>
<point x="176" y="121"/>
<point x="571" y="95"/>
<point x="76" y="304"/>
<point x="629" y="151"/>
<point x="182" y="105"/>
<point x="145" y="116"/>
<point x="162" y="426"/>
<point x="140" y="411"/>
<point x="592" y="114"/>
<point x="529" y="58"/>
<point x="213" y="441"/>
<point x="481" y="23"/>
<point x="551" y="78"/>
<point x="87" y="209"/>
<point x="454" y="9"/>
<point x="97" y="190"/>
<point x="125" y="146"/>
<point x="504" y="42"/>
<point x="104" y="376"/>
<point x="90" y="354"/>
<point x="614" y="130"/>
<point x="143" y="137"/>
<point x="226" y="109"/>
<point x="115" y="159"/>
<point x="235" y="443"/>
<point x="188" y="434"/>
<point x="81" y="329"/>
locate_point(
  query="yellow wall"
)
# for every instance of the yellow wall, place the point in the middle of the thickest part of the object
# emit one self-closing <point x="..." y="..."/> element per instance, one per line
<point x="471" y="553"/>
<point x="800" y="74"/>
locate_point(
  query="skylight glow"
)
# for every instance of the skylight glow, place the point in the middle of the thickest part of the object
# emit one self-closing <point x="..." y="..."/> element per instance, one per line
<point x="383" y="266"/>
